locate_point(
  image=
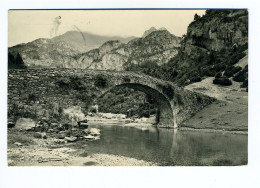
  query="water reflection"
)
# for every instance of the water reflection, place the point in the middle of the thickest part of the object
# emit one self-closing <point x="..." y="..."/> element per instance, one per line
<point x="169" y="146"/>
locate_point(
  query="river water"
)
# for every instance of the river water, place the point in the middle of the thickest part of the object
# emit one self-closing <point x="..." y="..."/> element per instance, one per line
<point x="170" y="147"/>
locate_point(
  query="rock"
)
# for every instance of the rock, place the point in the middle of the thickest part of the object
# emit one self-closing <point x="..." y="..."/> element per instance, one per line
<point x="89" y="137"/>
<point x="83" y="124"/>
<point x="71" y="139"/>
<point x="44" y="136"/>
<point x="94" y="131"/>
<point x="67" y="126"/>
<point x="54" y="125"/>
<point x="96" y="137"/>
<point x="61" y="136"/>
<point x="18" y="144"/>
<point x="86" y="131"/>
<point x="51" y="130"/>
<point x="25" y="124"/>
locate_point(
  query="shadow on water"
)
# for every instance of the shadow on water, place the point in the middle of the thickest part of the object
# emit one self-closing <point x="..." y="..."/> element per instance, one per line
<point x="169" y="146"/>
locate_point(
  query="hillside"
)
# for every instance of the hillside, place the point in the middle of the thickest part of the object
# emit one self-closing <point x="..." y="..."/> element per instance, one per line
<point x="55" y="51"/>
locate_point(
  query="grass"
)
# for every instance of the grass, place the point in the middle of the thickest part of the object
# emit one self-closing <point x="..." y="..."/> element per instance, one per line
<point x="229" y="112"/>
<point x="24" y="138"/>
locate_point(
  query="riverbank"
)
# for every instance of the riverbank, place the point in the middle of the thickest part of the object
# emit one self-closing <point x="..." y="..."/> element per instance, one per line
<point x="121" y="120"/>
<point x="25" y="150"/>
<point x="205" y="120"/>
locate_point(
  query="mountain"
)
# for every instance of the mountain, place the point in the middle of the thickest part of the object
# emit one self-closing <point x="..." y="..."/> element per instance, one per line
<point x="51" y="52"/>
<point x="67" y="51"/>
<point x="158" y="47"/>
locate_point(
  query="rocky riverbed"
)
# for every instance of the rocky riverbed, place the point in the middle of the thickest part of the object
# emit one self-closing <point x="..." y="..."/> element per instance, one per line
<point x="26" y="150"/>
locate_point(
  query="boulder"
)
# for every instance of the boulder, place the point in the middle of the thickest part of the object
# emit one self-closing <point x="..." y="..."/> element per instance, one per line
<point x="89" y="137"/>
<point x="71" y="139"/>
<point x="25" y="124"/>
<point x="94" y="131"/>
<point x="18" y="144"/>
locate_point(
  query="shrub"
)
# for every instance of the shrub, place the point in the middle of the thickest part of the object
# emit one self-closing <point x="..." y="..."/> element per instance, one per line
<point x="199" y="99"/>
<point x="195" y="79"/>
<point x="218" y="75"/>
<point x="244" y="84"/>
<point x="240" y="77"/>
<point x="84" y="98"/>
<point x="37" y="135"/>
<point x="236" y="69"/>
<point x="72" y="82"/>
<point x="76" y="83"/>
<point x="228" y="73"/>
<point x="63" y="83"/>
<point x="222" y="81"/>
<point x="179" y="100"/>
<point x="219" y="67"/>
<point x="101" y="81"/>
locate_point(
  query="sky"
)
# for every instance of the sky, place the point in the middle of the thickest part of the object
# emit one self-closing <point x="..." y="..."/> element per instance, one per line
<point x="27" y="25"/>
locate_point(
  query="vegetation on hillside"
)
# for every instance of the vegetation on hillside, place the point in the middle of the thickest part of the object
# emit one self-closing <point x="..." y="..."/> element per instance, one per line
<point x="15" y="62"/>
<point x="127" y="101"/>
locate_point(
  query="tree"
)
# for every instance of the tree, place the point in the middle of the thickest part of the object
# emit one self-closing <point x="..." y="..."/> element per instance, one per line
<point x="196" y="17"/>
<point x="15" y="63"/>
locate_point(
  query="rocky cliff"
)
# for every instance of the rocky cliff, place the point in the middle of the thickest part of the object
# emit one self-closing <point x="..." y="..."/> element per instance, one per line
<point x="217" y="30"/>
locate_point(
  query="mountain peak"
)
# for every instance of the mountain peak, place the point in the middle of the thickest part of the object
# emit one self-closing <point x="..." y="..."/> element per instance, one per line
<point x="152" y="29"/>
<point x="147" y="32"/>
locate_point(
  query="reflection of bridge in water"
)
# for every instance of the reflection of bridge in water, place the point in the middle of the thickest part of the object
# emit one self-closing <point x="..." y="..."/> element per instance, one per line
<point x="175" y="104"/>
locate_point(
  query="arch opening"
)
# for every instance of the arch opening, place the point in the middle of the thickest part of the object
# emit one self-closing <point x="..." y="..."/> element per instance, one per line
<point x="164" y="113"/>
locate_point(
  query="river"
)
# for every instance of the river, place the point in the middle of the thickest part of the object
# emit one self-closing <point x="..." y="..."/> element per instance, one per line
<point x="169" y="147"/>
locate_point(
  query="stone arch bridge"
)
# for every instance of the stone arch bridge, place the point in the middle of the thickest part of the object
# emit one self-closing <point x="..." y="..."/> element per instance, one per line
<point x="67" y="87"/>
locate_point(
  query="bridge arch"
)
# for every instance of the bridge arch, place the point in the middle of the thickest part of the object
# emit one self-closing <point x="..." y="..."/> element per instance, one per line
<point x="165" y="115"/>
